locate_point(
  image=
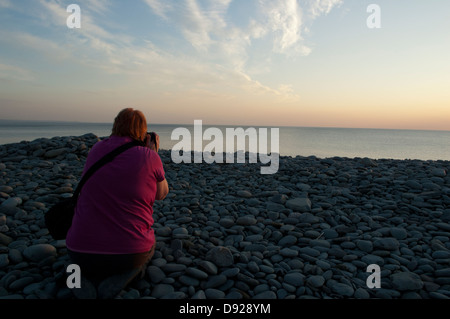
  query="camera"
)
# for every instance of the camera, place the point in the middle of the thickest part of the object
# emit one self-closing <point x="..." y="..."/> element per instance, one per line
<point x="152" y="137"/>
<point x="149" y="139"/>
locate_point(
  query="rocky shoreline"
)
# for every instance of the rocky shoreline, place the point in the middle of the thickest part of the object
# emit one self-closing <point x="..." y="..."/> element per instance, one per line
<point x="226" y="231"/>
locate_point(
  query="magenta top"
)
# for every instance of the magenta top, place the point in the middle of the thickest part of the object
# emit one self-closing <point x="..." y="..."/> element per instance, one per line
<point x="115" y="207"/>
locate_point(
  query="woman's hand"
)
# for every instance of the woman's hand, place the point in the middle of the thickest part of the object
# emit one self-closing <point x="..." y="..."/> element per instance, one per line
<point x="153" y="142"/>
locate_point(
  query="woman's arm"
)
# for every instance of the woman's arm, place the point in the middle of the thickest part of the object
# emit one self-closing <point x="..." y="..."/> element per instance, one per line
<point x="162" y="189"/>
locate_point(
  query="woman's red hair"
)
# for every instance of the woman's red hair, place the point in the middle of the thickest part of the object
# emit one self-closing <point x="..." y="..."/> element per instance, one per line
<point x="132" y="123"/>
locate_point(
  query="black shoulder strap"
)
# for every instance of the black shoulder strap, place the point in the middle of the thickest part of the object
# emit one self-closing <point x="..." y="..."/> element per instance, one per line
<point x="104" y="160"/>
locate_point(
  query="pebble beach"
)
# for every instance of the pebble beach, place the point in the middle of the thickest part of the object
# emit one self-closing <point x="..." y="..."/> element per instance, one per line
<point x="225" y="231"/>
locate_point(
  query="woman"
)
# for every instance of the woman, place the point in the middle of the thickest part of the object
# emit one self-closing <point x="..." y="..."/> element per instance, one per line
<point x="111" y="237"/>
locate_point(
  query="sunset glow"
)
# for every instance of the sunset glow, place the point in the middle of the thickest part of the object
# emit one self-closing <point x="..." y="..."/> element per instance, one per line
<point x="229" y="62"/>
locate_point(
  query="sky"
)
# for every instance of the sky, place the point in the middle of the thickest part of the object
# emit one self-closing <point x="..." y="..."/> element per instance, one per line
<point x="229" y="62"/>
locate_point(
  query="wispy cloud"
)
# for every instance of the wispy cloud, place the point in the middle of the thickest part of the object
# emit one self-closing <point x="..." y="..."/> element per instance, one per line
<point x="222" y="47"/>
<point x="285" y="20"/>
<point x="15" y="73"/>
<point x="319" y="7"/>
<point x="45" y="47"/>
<point x="289" y="20"/>
<point x="207" y="28"/>
<point x="5" y="4"/>
<point x="160" y="7"/>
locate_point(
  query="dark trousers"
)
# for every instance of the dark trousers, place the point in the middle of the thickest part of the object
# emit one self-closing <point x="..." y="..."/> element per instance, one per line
<point x="97" y="267"/>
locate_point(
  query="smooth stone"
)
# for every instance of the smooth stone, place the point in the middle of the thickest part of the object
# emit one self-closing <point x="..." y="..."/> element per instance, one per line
<point x="361" y="293"/>
<point x="208" y="266"/>
<point x="373" y="259"/>
<point x="246" y="220"/>
<point x="390" y="244"/>
<point x="170" y="267"/>
<point x="278" y="199"/>
<point x="31" y="288"/>
<point x="365" y="245"/>
<point x="414" y="184"/>
<point x="5" y="240"/>
<point x="299" y="204"/>
<point x="189" y="281"/>
<point x="231" y="272"/>
<point x="180" y="233"/>
<point x="342" y="289"/>
<point x="439" y="172"/>
<point x="55" y="152"/>
<point x="227" y="222"/>
<point x="330" y="233"/>
<point x="12" y="202"/>
<point x="39" y="252"/>
<point x="404" y="281"/>
<point x="243" y="193"/>
<point x="212" y="293"/>
<point x="308" y="218"/>
<point x="162" y="290"/>
<point x="441" y="254"/>
<point x="163" y="231"/>
<point x="215" y="281"/>
<point x="220" y="256"/>
<point x="398" y="233"/>
<point x="4" y="260"/>
<point x="15" y="256"/>
<point x="444" y="272"/>
<point x="438" y="295"/>
<point x="21" y="283"/>
<point x="315" y="281"/>
<point x="309" y="251"/>
<point x="295" y="279"/>
<point x="287" y="252"/>
<point x="369" y="162"/>
<point x="159" y="262"/>
<point x="199" y="295"/>
<point x="287" y="241"/>
<point x="275" y="207"/>
<point x="155" y="274"/>
<point x="265" y="295"/>
<point x="6" y="189"/>
<point x="196" y="273"/>
<point x="132" y="294"/>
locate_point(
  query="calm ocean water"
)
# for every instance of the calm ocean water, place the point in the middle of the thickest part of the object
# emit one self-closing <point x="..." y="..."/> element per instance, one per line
<point x="304" y="141"/>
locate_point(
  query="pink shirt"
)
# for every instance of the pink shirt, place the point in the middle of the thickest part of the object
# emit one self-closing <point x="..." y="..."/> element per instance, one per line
<point x="115" y="207"/>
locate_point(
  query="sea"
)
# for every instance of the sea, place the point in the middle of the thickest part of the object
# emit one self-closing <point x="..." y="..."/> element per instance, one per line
<point x="293" y="141"/>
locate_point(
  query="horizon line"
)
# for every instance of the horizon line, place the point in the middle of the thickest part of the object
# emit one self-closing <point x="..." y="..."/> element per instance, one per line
<point x="231" y="125"/>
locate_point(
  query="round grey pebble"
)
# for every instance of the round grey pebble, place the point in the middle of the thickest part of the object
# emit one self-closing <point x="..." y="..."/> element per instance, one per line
<point x="342" y="289"/>
<point x="4" y="260"/>
<point x="365" y="245"/>
<point x="196" y="273"/>
<point x="265" y="295"/>
<point x="220" y="256"/>
<point x="155" y="274"/>
<point x="161" y="290"/>
<point x="295" y="279"/>
<point x="315" y="281"/>
<point x="403" y="281"/>
<point x="212" y="293"/>
<point x="39" y="252"/>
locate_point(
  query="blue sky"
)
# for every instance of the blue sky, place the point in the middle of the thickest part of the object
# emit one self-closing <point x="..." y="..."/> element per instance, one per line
<point x="237" y="62"/>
